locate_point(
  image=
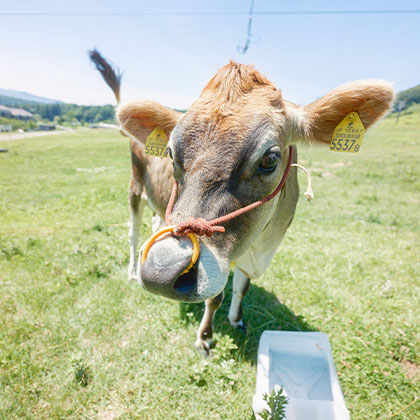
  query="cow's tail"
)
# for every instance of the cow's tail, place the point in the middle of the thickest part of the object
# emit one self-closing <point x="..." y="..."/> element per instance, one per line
<point x="110" y="73"/>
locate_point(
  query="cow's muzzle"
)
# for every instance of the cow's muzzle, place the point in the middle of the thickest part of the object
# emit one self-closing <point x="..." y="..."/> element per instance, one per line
<point x="163" y="271"/>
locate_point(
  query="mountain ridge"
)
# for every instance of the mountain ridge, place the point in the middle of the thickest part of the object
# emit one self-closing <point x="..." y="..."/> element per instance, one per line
<point x="27" y="97"/>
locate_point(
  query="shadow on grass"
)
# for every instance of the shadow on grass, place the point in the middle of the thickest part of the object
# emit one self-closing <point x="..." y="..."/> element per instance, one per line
<point x="262" y="311"/>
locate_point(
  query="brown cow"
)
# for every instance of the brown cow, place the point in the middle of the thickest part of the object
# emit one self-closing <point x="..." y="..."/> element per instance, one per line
<point x="229" y="150"/>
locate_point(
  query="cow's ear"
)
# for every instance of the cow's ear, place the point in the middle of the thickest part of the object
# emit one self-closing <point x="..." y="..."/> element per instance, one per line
<point x="371" y="99"/>
<point x="139" y="118"/>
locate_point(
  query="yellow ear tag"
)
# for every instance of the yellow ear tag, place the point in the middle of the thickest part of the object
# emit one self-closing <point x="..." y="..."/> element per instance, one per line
<point x="156" y="143"/>
<point x="348" y="135"/>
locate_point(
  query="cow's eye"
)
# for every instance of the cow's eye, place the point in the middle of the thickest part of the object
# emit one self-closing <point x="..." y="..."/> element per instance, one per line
<point x="168" y="152"/>
<point x="269" y="162"/>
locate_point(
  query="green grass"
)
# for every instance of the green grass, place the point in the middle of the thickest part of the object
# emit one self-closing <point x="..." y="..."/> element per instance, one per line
<point x="78" y="341"/>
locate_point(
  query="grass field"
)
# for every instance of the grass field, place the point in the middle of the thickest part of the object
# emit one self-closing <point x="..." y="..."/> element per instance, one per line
<point x="78" y="341"/>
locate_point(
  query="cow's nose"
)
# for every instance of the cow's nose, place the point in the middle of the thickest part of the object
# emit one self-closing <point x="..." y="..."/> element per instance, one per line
<point x="187" y="283"/>
<point x="162" y="271"/>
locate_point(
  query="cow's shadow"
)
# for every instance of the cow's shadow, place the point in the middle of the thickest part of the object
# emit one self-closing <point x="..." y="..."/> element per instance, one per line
<point x="262" y="311"/>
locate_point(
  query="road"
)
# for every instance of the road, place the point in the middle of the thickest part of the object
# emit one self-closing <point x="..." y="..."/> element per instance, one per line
<point x="30" y="134"/>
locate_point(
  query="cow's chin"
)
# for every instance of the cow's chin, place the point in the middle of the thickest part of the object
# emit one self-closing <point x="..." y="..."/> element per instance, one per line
<point x="206" y="279"/>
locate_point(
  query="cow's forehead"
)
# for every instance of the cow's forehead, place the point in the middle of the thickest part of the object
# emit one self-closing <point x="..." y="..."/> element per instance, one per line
<point x="233" y="129"/>
<point x="236" y="109"/>
<point x="235" y="97"/>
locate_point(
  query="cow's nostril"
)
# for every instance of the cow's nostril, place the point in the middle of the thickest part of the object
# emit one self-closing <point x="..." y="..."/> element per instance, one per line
<point x="187" y="283"/>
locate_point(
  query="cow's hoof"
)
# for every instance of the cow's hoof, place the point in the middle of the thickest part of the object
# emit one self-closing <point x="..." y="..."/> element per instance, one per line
<point x="242" y="328"/>
<point x="132" y="271"/>
<point x="132" y="276"/>
<point x="204" y="346"/>
<point x="239" y="325"/>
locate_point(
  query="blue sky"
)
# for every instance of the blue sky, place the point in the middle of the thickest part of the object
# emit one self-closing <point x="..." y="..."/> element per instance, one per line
<point x="170" y="58"/>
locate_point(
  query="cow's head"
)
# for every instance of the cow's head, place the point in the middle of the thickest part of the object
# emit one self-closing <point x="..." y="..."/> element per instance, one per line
<point x="229" y="150"/>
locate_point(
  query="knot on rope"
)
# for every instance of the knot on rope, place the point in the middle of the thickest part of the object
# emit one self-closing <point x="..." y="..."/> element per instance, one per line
<point x="309" y="194"/>
<point x="198" y="226"/>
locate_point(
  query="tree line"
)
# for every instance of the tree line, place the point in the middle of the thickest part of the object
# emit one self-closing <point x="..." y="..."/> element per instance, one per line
<point x="408" y="97"/>
<point x="63" y="112"/>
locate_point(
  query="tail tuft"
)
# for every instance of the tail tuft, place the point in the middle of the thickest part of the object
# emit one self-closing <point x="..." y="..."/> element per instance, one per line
<point x="111" y="74"/>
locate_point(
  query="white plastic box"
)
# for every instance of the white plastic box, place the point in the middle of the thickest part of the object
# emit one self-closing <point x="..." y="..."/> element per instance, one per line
<point x="302" y="364"/>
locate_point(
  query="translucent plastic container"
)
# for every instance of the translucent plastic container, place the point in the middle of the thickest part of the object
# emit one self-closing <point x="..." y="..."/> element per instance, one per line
<point x="302" y="364"/>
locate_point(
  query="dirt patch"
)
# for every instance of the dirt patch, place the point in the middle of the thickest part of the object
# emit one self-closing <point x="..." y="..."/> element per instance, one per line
<point x="31" y="134"/>
<point x="113" y="411"/>
<point x="411" y="369"/>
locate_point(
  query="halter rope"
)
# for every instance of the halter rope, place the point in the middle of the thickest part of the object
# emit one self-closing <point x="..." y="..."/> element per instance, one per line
<point x="198" y="226"/>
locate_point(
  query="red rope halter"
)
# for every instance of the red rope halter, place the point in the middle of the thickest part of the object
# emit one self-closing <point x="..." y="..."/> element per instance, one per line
<point x="201" y="226"/>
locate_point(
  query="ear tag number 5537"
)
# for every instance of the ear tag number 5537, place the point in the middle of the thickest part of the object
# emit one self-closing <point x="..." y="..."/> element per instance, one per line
<point x="348" y="135"/>
<point x="156" y="143"/>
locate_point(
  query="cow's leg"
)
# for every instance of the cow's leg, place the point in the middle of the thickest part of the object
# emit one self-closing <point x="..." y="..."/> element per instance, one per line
<point x="205" y="331"/>
<point x="136" y="213"/>
<point x="239" y="288"/>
